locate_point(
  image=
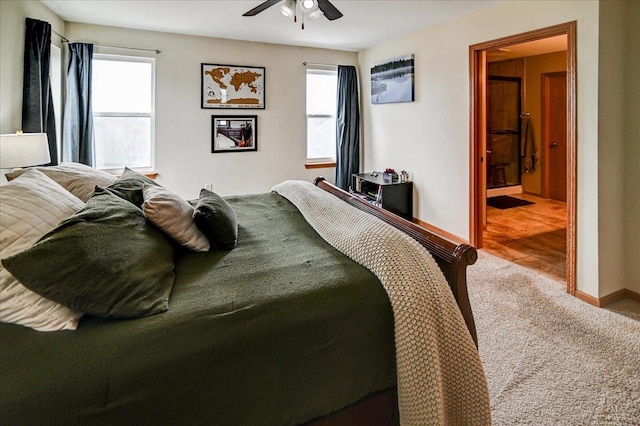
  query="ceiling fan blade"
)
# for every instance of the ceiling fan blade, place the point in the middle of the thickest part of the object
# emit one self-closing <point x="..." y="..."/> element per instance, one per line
<point x="259" y="8"/>
<point x="329" y="10"/>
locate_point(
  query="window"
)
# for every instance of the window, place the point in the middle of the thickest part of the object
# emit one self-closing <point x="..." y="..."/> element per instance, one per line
<point x="321" y="115"/>
<point x="123" y="111"/>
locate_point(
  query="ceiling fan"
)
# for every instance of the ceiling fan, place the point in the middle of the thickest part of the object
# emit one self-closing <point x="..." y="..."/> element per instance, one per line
<point x="309" y="9"/>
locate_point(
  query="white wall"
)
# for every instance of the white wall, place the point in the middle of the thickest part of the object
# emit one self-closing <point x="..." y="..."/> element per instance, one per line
<point x="611" y="135"/>
<point x="430" y="137"/>
<point x="184" y="161"/>
<point x="632" y="148"/>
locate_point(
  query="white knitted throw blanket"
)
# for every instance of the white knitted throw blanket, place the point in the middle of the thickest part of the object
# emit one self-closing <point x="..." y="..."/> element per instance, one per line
<point x="440" y="377"/>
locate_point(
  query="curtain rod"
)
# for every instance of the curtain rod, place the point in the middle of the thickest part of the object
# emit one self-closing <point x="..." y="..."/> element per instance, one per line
<point x="322" y="65"/>
<point x="123" y="47"/>
<point x="130" y="48"/>
<point x="66" y="40"/>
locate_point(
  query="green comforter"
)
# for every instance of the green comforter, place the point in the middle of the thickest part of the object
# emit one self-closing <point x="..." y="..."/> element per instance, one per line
<point x="280" y="330"/>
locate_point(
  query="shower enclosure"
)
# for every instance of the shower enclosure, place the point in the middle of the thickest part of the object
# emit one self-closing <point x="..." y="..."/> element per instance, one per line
<point x="503" y="127"/>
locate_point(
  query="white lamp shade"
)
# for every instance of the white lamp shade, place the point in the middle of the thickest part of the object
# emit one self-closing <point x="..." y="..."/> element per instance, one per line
<point x="23" y="150"/>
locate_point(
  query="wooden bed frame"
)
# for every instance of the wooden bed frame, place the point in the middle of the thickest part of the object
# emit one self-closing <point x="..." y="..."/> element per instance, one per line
<point x="453" y="259"/>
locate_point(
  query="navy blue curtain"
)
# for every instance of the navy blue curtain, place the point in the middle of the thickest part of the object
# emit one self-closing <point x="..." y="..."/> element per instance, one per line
<point x="347" y="127"/>
<point x="77" y="136"/>
<point x="37" y="101"/>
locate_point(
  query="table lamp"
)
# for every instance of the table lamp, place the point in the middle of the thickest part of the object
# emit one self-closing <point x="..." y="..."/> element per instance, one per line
<point x="23" y="150"/>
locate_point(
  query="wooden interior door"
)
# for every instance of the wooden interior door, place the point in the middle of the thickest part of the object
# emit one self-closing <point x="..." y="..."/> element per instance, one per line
<point x="554" y="130"/>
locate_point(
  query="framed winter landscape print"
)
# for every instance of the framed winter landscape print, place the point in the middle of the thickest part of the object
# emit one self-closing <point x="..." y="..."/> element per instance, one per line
<point x="234" y="133"/>
<point x="392" y="81"/>
<point x="232" y="86"/>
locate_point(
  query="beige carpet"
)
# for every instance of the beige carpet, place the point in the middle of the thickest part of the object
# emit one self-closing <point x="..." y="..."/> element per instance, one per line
<point x="550" y="358"/>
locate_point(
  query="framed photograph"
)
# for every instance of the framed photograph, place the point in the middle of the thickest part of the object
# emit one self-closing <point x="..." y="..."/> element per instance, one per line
<point x="232" y="86"/>
<point x="392" y="81"/>
<point x="234" y="133"/>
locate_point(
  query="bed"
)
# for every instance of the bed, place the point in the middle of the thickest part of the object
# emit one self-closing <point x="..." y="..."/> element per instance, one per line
<point x="282" y="329"/>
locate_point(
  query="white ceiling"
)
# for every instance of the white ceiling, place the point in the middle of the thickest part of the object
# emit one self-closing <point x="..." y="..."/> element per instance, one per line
<point x="365" y="22"/>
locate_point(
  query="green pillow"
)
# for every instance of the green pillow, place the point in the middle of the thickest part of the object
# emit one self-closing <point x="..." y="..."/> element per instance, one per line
<point x="129" y="186"/>
<point x="217" y="220"/>
<point x="104" y="260"/>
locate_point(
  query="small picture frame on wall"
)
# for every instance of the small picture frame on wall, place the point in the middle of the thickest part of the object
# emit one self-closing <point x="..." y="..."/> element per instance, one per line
<point x="235" y="133"/>
<point x="392" y="81"/>
<point x="232" y="86"/>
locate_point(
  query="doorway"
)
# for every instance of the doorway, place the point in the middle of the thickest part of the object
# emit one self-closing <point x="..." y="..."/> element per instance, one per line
<point x="479" y="134"/>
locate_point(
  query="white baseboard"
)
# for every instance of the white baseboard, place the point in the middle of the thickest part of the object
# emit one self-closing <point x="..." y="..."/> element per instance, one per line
<point x="507" y="190"/>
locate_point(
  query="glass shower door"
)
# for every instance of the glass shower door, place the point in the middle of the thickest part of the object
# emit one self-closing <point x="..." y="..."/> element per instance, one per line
<point x="503" y="138"/>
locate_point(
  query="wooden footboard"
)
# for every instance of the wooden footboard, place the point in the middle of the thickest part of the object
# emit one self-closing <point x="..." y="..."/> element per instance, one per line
<point x="452" y="258"/>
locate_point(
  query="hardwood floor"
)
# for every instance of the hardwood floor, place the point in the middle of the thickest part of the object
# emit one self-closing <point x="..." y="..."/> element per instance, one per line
<point x="533" y="236"/>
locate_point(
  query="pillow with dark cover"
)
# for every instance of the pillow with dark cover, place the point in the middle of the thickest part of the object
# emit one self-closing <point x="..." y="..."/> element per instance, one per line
<point x="104" y="260"/>
<point x="129" y="186"/>
<point x="217" y="220"/>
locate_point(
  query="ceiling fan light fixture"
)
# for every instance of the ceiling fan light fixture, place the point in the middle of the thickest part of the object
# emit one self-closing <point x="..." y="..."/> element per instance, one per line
<point x="288" y="8"/>
<point x="315" y="14"/>
<point x="304" y="8"/>
<point x="309" y="5"/>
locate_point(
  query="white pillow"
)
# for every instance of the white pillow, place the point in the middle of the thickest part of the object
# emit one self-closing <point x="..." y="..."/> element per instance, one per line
<point x="30" y="206"/>
<point x="174" y="216"/>
<point x="79" y="179"/>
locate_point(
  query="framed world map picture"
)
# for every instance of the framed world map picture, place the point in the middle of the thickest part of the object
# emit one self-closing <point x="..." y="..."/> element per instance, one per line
<point x="232" y="86"/>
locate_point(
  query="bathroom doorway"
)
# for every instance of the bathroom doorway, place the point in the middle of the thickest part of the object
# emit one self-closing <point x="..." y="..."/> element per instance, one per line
<point x="529" y="162"/>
